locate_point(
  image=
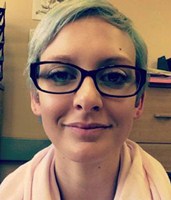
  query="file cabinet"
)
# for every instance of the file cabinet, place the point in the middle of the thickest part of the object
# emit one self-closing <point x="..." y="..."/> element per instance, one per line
<point x="153" y="130"/>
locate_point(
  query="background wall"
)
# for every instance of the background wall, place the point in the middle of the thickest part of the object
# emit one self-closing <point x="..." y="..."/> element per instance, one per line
<point x="18" y="120"/>
<point x="153" y="20"/>
<point x="151" y="17"/>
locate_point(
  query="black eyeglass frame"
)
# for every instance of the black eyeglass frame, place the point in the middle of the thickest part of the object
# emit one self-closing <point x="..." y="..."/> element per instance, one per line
<point x="34" y="75"/>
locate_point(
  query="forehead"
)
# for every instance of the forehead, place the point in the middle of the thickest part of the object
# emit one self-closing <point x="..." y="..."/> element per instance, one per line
<point x="91" y="36"/>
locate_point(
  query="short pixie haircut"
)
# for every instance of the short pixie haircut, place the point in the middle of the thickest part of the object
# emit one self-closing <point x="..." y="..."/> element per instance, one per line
<point x="72" y="10"/>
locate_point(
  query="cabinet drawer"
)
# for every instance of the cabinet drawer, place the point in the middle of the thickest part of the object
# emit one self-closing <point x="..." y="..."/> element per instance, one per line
<point x="155" y="123"/>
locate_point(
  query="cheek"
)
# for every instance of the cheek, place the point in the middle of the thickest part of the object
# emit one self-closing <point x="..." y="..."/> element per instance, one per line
<point x="122" y="112"/>
<point x="53" y="107"/>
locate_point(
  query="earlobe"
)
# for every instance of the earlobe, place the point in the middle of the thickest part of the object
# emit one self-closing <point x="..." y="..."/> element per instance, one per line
<point x="139" y="107"/>
<point x="35" y="103"/>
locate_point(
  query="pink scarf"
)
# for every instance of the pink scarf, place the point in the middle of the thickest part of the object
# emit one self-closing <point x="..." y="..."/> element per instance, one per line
<point x="141" y="178"/>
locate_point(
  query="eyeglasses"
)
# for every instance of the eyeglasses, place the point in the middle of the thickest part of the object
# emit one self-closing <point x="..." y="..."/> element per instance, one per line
<point x="61" y="78"/>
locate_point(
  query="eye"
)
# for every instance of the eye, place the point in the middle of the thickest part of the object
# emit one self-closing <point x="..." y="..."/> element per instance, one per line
<point x="113" y="78"/>
<point x="61" y="75"/>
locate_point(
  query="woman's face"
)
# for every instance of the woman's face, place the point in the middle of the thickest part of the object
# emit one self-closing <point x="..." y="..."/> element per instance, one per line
<point x="85" y="126"/>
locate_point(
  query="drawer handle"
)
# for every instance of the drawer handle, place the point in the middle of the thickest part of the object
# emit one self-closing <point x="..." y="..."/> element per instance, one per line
<point x="162" y="116"/>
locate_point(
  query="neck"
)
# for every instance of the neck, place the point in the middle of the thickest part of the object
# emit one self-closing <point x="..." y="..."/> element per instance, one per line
<point x="96" y="180"/>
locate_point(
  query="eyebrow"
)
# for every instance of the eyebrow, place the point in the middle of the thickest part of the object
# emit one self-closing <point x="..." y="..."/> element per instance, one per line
<point x="62" y="58"/>
<point x="116" y="60"/>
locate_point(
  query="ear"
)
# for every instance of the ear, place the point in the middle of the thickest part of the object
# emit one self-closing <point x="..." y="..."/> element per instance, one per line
<point x="139" y="107"/>
<point x="35" y="103"/>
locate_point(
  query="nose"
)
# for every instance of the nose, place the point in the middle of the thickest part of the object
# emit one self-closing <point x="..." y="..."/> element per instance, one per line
<point x="87" y="98"/>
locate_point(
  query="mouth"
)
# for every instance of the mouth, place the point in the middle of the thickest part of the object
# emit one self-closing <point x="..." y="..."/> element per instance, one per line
<point x="87" y="132"/>
<point x="88" y="126"/>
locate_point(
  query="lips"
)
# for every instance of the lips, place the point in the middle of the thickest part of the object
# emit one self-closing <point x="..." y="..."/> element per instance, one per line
<point x="88" y="126"/>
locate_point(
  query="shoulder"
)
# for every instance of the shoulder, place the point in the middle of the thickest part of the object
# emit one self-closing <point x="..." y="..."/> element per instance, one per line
<point x="16" y="181"/>
<point x="148" y="161"/>
<point x="154" y="170"/>
<point x="13" y="183"/>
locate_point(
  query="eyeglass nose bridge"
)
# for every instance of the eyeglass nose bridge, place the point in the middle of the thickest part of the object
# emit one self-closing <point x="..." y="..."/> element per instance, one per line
<point x="91" y="74"/>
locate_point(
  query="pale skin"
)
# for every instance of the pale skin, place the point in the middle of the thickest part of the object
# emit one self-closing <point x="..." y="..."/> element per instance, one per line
<point x="87" y="159"/>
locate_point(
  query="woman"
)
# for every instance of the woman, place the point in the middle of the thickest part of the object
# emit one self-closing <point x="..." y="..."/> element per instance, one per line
<point x="88" y="70"/>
